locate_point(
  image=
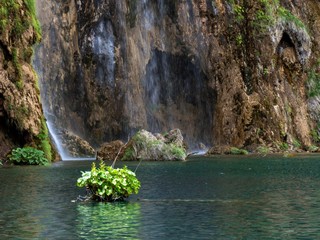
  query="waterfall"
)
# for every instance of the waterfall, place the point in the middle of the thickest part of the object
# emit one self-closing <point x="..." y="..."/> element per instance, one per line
<point x="110" y="68"/>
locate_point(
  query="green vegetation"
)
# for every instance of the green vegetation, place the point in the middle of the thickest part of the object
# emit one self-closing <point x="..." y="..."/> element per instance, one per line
<point x="263" y="150"/>
<point x="43" y="138"/>
<point x="296" y="143"/>
<point x="177" y="152"/>
<point x="28" y="156"/>
<point x="257" y="16"/>
<point x="109" y="184"/>
<point x="238" y="151"/>
<point x="17" y="18"/>
<point x="146" y="146"/>
<point x="313" y="148"/>
<point x="31" y="6"/>
<point x="17" y="67"/>
<point x="287" y="16"/>
<point x="283" y="146"/>
<point x="314" y="80"/>
<point x="315" y="136"/>
<point x="128" y="154"/>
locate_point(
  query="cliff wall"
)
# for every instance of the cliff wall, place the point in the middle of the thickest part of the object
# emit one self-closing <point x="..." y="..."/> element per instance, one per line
<point x="236" y="73"/>
<point x="21" y="116"/>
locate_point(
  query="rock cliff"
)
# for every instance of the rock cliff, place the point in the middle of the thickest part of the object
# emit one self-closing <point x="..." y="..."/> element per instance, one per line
<point x="226" y="72"/>
<point x="21" y="117"/>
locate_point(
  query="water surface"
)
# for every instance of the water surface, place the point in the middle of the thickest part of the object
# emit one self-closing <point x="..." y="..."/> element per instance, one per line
<point x="203" y="198"/>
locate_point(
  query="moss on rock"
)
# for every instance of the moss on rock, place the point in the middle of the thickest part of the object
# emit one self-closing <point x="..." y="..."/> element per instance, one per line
<point x="144" y="145"/>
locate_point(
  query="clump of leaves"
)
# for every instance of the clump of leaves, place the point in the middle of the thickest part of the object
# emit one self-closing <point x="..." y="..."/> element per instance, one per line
<point x="313" y="148"/>
<point x="263" y="150"/>
<point x="283" y="146"/>
<point x="27" y="156"/>
<point x="109" y="184"/>
<point x="237" y="151"/>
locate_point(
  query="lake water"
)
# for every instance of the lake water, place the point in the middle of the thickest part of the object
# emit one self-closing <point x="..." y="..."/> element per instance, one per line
<point x="202" y="198"/>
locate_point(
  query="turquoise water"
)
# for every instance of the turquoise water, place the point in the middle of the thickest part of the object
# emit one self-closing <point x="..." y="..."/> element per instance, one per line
<point x="203" y="198"/>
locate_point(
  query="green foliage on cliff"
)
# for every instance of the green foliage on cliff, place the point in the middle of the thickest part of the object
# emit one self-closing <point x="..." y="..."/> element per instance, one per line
<point x="144" y="145"/>
<point x="17" y="67"/>
<point x="27" y="156"/>
<point x="286" y="15"/>
<point x="17" y="17"/>
<point x="262" y="14"/>
<point x="109" y="184"/>
<point x="238" y="151"/>
<point x="31" y="6"/>
<point x="128" y="154"/>
<point x="43" y="138"/>
<point x="314" y="80"/>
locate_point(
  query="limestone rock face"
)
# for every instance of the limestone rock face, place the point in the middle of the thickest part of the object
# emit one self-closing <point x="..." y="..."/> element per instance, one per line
<point x="20" y="108"/>
<point x="111" y="67"/>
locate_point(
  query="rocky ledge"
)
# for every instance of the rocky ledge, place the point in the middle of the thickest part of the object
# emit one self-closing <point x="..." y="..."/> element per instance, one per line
<point x="146" y="146"/>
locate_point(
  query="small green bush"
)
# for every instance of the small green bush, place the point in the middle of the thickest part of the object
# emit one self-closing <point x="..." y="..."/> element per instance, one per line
<point x="263" y="150"/>
<point x="237" y="151"/>
<point x="109" y="184"/>
<point x="313" y="148"/>
<point x="44" y="141"/>
<point x="283" y="146"/>
<point x="128" y="154"/>
<point x="28" y="156"/>
<point x="315" y="135"/>
<point x="296" y="143"/>
<point x="178" y="152"/>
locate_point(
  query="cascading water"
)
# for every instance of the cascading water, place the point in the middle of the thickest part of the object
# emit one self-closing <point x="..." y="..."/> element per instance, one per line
<point x="175" y="87"/>
<point x="110" y="68"/>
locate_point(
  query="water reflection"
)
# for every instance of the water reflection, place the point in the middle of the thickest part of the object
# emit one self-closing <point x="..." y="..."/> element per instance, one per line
<point x="108" y="221"/>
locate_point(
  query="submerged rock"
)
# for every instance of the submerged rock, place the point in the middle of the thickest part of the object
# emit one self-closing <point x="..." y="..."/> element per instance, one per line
<point x="145" y="145"/>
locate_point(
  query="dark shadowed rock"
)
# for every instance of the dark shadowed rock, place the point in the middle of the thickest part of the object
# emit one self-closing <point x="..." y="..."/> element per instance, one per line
<point x="76" y="146"/>
<point x="110" y="150"/>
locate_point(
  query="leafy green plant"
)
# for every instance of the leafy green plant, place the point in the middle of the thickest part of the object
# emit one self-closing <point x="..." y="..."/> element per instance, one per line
<point x="314" y="80"/>
<point x="128" y="154"/>
<point x="109" y="184"/>
<point x="263" y="150"/>
<point x="313" y="148"/>
<point x="237" y="151"/>
<point x="289" y="17"/>
<point x="178" y="152"/>
<point x="283" y="146"/>
<point x="28" y="156"/>
<point x="315" y="135"/>
<point x="44" y="142"/>
<point x="296" y="143"/>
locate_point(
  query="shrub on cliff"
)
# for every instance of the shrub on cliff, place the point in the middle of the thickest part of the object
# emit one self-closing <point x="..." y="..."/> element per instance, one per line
<point x="145" y="145"/>
<point x="27" y="156"/>
<point x="108" y="184"/>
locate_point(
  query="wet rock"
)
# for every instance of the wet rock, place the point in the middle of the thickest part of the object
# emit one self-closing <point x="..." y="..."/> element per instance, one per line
<point x="187" y="64"/>
<point x="76" y="146"/>
<point x="144" y="145"/>
<point x="218" y="150"/>
<point x="109" y="151"/>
